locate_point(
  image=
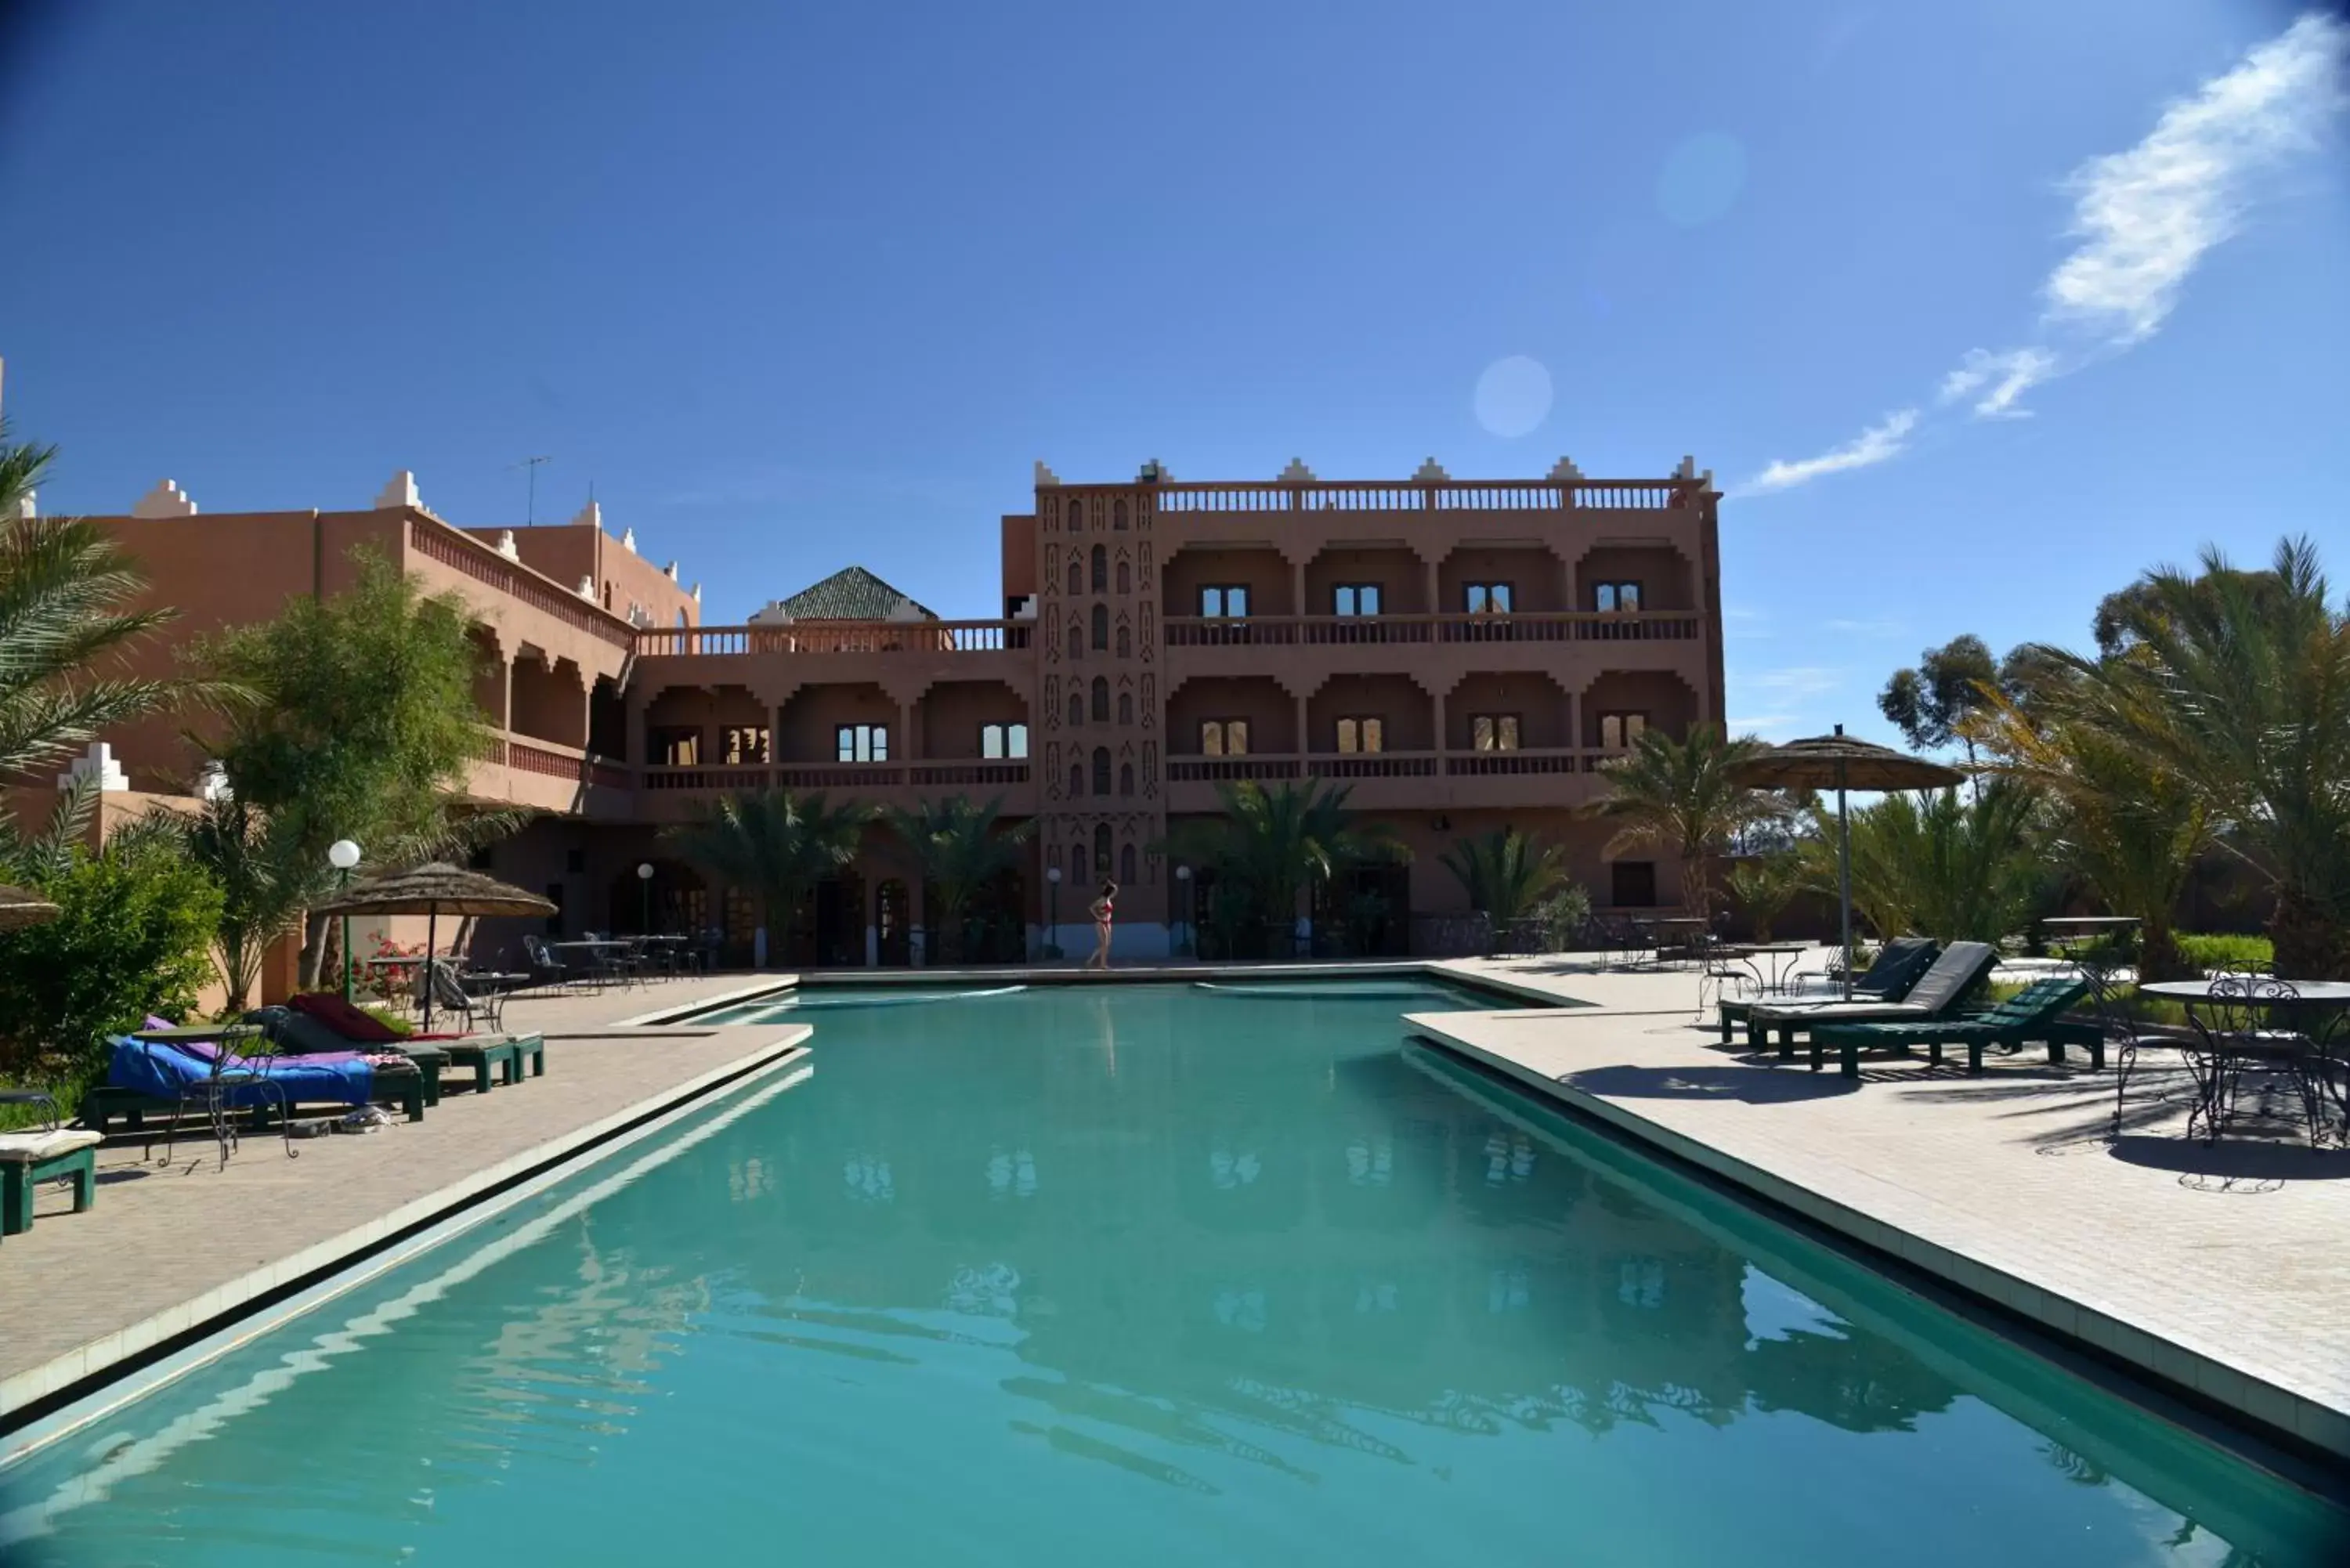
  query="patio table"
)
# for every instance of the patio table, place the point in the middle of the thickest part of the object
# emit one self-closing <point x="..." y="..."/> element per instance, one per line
<point x="1778" y="966"/>
<point x="2313" y="1042"/>
<point x="2077" y="938"/>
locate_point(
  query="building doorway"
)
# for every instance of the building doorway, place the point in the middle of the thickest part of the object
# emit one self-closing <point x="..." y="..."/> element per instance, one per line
<point x="1632" y="884"/>
<point x="840" y="921"/>
<point x="1364" y="912"/>
<point x="893" y="913"/>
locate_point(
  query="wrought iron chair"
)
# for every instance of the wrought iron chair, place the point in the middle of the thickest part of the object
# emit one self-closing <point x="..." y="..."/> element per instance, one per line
<point x="2234" y="1039"/>
<point x="240" y="1062"/>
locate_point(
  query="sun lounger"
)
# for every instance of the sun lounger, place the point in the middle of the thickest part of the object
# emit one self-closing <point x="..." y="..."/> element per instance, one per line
<point x="1899" y="965"/>
<point x="2035" y="1013"/>
<point x="1952" y="976"/>
<point x="493" y="1058"/>
<point x="29" y="1159"/>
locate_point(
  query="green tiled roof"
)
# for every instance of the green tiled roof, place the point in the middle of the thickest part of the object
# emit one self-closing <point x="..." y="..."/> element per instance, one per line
<point x="852" y="594"/>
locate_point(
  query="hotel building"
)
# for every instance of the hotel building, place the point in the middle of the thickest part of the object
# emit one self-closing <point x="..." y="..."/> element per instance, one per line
<point x="1459" y="654"/>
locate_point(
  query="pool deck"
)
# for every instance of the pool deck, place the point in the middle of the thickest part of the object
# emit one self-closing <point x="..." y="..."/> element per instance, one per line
<point x="2222" y="1272"/>
<point x="168" y="1251"/>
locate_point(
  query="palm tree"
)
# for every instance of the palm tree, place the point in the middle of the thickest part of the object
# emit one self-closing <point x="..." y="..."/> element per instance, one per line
<point x="2129" y="826"/>
<point x="2239" y="683"/>
<point x="63" y="589"/>
<point x="1507" y="874"/>
<point x="776" y="845"/>
<point x="1764" y="885"/>
<point x="1269" y="847"/>
<point x="1679" y="795"/>
<point x="1940" y="864"/>
<point x="961" y="847"/>
<point x="266" y="885"/>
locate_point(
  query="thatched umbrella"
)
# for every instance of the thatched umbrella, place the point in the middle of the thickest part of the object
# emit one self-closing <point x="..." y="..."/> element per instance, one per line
<point x="18" y="908"/>
<point x="1840" y="762"/>
<point x="433" y="890"/>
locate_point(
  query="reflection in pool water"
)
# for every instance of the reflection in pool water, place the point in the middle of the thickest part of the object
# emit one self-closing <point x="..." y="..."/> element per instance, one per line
<point x="1149" y="1275"/>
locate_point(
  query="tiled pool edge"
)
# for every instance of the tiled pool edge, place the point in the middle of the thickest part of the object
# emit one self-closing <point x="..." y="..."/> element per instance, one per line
<point x="2275" y="1412"/>
<point x="33" y="1395"/>
<point x="1497" y="986"/>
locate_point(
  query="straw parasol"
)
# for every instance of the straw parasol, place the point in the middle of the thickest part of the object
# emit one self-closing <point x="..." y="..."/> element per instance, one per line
<point x="1840" y="762"/>
<point x="19" y="909"/>
<point x="433" y="890"/>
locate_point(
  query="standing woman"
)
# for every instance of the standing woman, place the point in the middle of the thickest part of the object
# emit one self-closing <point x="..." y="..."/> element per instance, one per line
<point x="1103" y="908"/>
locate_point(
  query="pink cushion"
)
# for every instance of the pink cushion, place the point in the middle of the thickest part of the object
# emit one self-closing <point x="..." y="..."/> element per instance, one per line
<point x="343" y="1019"/>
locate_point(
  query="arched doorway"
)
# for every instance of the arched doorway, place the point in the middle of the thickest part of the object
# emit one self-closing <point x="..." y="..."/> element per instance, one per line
<point x="840" y="921"/>
<point x="676" y="903"/>
<point x="893" y="913"/>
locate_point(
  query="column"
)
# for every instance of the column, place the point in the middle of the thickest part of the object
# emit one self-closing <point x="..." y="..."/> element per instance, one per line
<point x="1428" y="587"/>
<point x="1297" y="605"/>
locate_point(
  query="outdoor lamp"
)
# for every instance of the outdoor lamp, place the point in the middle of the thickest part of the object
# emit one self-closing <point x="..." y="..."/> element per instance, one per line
<point x="645" y="880"/>
<point x="342" y="855"/>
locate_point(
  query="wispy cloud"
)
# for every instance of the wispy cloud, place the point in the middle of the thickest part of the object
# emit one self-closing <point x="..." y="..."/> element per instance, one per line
<point x="1865" y="627"/>
<point x="2008" y="374"/>
<point x="2145" y="218"/>
<point x="1873" y="445"/>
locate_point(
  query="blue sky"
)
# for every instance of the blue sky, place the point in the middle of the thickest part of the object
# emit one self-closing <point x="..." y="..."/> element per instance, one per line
<point x="1975" y="310"/>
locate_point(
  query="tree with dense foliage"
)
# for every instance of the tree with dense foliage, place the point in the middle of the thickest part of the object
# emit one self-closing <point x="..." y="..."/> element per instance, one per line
<point x="133" y="937"/>
<point x="776" y="845"/>
<point x="1507" y="874"/>
<point x="962" y="846"/>
<point x="1764" y="885"/>
<point x="1266" y="848"/>
<point x="65" y="590"/>
<point x="1937" y="863"/>
<point x="2238" y="683"/>
<point x="2126" y="824"/>
<point x="1928" y="703"/>
<point x="1680" y="797"/>
<point x="362" y="725"/>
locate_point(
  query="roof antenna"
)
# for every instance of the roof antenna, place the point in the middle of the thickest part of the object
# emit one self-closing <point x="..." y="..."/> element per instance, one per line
<point x="531" y="517"/>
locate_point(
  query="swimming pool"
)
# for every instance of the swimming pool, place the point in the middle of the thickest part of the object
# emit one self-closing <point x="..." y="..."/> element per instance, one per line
<point x="1142" y="1274"/>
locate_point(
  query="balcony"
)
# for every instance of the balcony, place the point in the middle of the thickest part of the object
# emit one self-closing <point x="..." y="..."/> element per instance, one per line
<point x="672" y="794"/>
<point x="1448" y="495"/>
<point x="1391" y="781"/>
<point x="546" y="775"/>
<point x="1357" y="631"/>
<point x="927" y="637"/>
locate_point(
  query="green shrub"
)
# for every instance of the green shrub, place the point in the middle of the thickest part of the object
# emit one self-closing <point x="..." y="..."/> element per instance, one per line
<point x="2219" y="951"/>
<point x="133" y="937"/>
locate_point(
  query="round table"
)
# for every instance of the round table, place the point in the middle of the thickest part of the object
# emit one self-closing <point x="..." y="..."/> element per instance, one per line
<point x="2313" y="1010"/>
<point x="2075" y="937"/>
<point x="1782" y="957"/>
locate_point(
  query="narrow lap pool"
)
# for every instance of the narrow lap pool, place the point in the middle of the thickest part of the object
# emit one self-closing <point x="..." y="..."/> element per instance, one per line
<point x="1137" y="1275"/>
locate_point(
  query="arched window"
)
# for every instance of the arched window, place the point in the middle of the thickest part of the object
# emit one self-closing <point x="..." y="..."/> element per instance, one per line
<point x="1125" y="643"/>
<point x="1124" y="578"/>
<point x="1101" y="569"/>
<point x="1101" y="850"/>
<point x="1075" y="515"/>
<point x="1126" y="778"/>
<point x="1076" y="781"/>
<point x="1118" y="515"/>
<point x="1080" y="869"/>
<point x="1126" y="706"/>
<point x="1077" y="576"/>
<point x="1076" y="640"/>
<point x="1101" y="628"/>
<point x="1076" y="709"/>
<point x="1102" y="770"/>
<point x="1101" y="700"/>
<point x="1126" y="864"/>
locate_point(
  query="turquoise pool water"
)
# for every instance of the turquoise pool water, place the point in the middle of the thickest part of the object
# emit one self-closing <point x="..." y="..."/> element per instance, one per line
<point x="1135" y="1276"/>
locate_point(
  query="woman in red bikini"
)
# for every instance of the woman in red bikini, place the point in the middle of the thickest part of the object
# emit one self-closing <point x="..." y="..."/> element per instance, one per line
<point x="1103" y="912"/>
